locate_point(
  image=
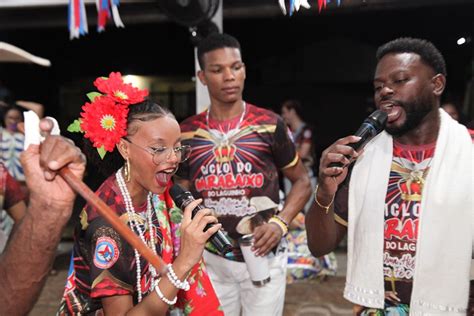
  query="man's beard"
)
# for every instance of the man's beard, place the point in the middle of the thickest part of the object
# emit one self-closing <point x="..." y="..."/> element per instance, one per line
<point x="415" y="112"/>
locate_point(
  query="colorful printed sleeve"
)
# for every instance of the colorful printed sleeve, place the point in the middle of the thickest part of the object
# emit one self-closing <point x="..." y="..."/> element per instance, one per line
<point x="112" y="269"/>
<point x="284" y="152"/>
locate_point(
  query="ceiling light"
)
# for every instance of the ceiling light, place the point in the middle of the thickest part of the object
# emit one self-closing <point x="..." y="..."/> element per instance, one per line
<point x="461" y="41"/>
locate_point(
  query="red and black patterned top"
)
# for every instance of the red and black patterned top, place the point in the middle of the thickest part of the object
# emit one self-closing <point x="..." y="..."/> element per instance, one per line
<point x="104" y="265"/>
<point x="10" y="190"/>
<point x="234" y="160"/>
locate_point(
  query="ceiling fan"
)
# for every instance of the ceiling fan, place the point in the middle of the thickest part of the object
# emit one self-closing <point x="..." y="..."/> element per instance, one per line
<point x="189" y="13"/>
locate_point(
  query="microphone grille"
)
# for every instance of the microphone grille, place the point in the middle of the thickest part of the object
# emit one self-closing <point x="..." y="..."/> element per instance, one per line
<point x="379" y="119"/>
<point x="180" y="197"/>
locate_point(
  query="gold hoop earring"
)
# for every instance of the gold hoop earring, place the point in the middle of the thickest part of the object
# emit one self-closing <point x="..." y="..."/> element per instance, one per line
<point x="126" y="170"/>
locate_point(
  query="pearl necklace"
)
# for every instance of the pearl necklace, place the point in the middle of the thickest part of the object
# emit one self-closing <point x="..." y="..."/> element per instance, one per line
<point x="134" y="225"/>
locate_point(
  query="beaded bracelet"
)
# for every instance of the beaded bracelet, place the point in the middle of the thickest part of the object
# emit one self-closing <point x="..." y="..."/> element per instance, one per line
<point x="182" y="285"/>
<point x="281" y="223"/>
<point x="162" y="297"/>
<point x="281" y="219"/>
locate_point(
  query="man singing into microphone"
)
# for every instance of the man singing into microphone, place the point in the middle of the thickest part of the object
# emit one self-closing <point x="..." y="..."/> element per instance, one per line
<point x="406" y="203"/>
<point x="238" y="149"/>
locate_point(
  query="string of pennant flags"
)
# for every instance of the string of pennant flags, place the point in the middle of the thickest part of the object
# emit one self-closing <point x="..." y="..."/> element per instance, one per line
<point x="292" y="6"/>
<point x="77" y="17"/>
<point x="106" y="9"/>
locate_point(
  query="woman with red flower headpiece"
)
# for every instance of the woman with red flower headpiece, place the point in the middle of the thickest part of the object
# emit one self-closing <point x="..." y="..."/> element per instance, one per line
<point x="106" y="273"/>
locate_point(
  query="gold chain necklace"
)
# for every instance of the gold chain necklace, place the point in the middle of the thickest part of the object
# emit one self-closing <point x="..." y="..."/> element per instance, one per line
<point x="240" y="120"/>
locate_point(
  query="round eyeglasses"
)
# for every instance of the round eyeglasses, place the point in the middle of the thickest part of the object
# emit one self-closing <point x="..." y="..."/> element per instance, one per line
<point x="162" y="154"/>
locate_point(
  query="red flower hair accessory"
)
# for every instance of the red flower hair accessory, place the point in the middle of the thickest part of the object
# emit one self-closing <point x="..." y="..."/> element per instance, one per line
<point x="104" y="119"/>
<point x="121" y="92"/>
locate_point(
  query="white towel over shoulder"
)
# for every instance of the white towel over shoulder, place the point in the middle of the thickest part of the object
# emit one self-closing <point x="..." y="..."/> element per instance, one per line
<point x="445" y="232"/>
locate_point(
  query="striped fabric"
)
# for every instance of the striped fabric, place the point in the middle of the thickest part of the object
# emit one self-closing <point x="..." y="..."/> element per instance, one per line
<point x="11" y="146"/>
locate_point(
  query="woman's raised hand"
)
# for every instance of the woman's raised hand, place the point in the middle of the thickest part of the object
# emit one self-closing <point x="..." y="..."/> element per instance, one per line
<point x="193" y="236"/>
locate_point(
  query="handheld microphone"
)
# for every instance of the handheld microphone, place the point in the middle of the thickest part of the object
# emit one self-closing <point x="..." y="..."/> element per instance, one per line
<point x="182" y="199"/>
<point x="372" y="125"/>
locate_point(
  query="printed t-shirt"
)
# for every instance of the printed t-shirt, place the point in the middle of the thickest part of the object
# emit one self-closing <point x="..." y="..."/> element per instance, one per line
<point x="409" y="168"/>
<point x="234" y="161"/>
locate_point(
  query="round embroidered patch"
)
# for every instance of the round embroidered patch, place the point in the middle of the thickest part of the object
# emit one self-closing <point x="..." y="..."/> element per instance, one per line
<point x="106" y="253"/>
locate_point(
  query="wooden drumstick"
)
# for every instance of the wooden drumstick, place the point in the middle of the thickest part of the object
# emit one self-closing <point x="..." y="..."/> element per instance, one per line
<point x="112" y="218"/>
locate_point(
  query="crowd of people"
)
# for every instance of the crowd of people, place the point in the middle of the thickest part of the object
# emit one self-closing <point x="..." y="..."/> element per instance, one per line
<point x="404" y="202"/>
